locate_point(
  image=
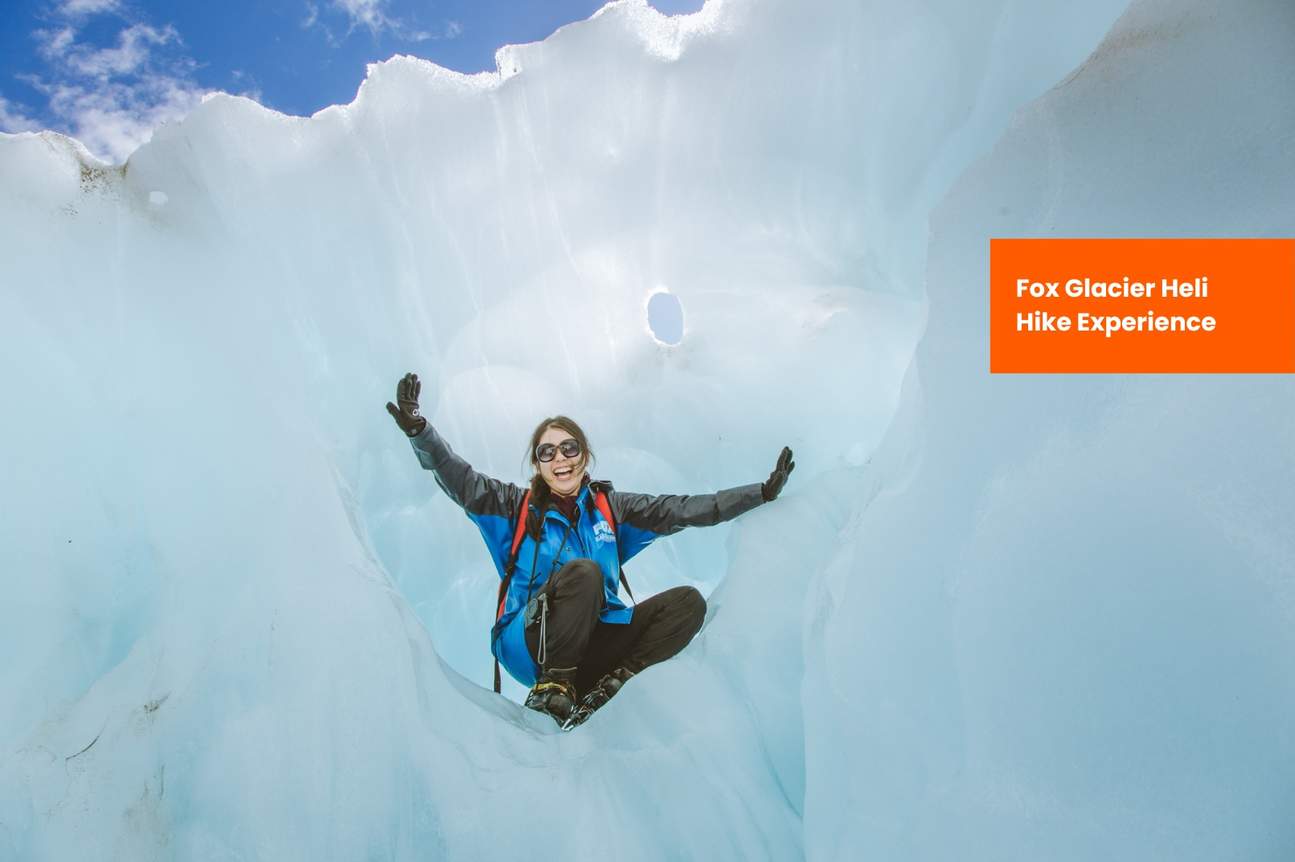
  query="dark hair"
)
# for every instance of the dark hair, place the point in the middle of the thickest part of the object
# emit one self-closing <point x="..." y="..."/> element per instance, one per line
<point x="540" y="488"/>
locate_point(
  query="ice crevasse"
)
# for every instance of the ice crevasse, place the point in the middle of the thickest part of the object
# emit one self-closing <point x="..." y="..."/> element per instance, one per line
<point x="990" y="617"/>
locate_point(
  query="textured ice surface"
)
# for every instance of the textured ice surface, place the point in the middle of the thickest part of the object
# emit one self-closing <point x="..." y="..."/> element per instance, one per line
<point x="1070" y="633"/>
<point x="989" y="618"/>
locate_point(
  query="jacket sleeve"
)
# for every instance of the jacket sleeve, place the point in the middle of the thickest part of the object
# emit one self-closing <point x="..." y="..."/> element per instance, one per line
<point x="642" y="518"/>
<point x="490" y="503"/>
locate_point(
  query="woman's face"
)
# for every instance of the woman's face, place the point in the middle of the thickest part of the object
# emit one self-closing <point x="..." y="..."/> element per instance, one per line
<point x="563" y="474"/>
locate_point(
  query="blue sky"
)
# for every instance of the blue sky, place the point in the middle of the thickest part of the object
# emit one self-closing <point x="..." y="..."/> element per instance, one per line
<point x="109" y="71"/>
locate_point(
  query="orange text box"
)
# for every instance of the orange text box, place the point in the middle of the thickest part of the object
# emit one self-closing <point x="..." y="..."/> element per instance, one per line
<point x="1141" y="305"/>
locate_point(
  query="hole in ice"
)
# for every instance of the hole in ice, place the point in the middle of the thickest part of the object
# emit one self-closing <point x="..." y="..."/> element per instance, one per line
<point x="665" y="317"/>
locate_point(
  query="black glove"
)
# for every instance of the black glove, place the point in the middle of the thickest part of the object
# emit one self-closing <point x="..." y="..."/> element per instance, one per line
<point x="778" y="477"/>
<point x="406" y="415"/>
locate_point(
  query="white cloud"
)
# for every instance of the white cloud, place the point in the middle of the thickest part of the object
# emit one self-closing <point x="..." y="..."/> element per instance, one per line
<point x="132" y="52"/>
<point x="113" y="120"/>
<point x="54" y="43"/>
<point x="453" y="29"/>
<point x="78" y="8"/>
<point x="14" y="120"/>
<point x="112" y="97"/>
<point x="367" y="13"/>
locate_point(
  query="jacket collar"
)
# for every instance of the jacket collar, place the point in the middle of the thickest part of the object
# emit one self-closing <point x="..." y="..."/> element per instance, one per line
<point x="584" y="500"/>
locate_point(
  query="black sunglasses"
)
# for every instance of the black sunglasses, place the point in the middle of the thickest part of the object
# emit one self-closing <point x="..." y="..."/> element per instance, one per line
<point x="546" y="452"/>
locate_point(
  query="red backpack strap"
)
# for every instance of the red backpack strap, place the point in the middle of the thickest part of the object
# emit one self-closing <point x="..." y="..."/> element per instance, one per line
<point x="519" y="532"/>
<point x="600" y="501"/>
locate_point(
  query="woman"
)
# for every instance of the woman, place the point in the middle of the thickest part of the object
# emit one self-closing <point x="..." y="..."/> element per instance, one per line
<point x="563" y="629"/>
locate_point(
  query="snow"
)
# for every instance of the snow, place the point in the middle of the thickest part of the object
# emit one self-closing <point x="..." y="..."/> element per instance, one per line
<point x="990" y="617"/>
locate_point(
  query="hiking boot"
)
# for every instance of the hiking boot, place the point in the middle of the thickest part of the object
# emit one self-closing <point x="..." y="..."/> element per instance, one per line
<point x="604" y="690"/>
<point x="554" y="693"/>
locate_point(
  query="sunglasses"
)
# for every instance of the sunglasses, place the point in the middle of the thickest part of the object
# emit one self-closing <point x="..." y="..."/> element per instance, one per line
<point x="546" y="452"/>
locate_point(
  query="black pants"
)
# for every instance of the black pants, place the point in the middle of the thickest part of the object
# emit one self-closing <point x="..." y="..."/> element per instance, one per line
<point x="662" y="625"/>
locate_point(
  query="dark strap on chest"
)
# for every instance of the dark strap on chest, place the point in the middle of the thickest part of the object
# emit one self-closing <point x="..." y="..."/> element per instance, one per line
<point x="519" y="532"/>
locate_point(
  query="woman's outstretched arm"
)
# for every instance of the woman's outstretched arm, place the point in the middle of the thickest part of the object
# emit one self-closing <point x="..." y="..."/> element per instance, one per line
<point x="478" y="494"/>
<point x="641" y="518"/>
<point x="665" y="514"/>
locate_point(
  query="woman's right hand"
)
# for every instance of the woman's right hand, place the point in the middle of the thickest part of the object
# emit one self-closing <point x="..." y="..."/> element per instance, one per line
<point x="406" y="415"/>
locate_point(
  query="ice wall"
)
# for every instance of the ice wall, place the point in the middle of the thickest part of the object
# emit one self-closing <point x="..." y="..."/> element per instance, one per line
<point x="1069" y="625"/>
<point x="247" y="626"/>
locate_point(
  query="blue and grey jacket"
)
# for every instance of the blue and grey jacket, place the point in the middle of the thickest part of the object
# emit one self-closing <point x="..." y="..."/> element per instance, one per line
<point x="640" y="518"/>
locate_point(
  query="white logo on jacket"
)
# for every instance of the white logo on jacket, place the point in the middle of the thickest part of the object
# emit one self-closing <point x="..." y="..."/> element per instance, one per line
<point x="603" y="532"/>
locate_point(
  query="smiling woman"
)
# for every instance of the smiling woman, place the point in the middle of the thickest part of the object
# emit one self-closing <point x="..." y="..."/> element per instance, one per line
<point x="560" y="625"/>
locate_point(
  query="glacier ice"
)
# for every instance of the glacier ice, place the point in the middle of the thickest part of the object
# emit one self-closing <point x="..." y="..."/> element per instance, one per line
<point x="990" y="617"/>
<point x="1093" y="659"/>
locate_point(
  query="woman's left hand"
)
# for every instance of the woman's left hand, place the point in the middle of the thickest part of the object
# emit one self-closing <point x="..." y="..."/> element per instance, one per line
<point x="770" y="489"/>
